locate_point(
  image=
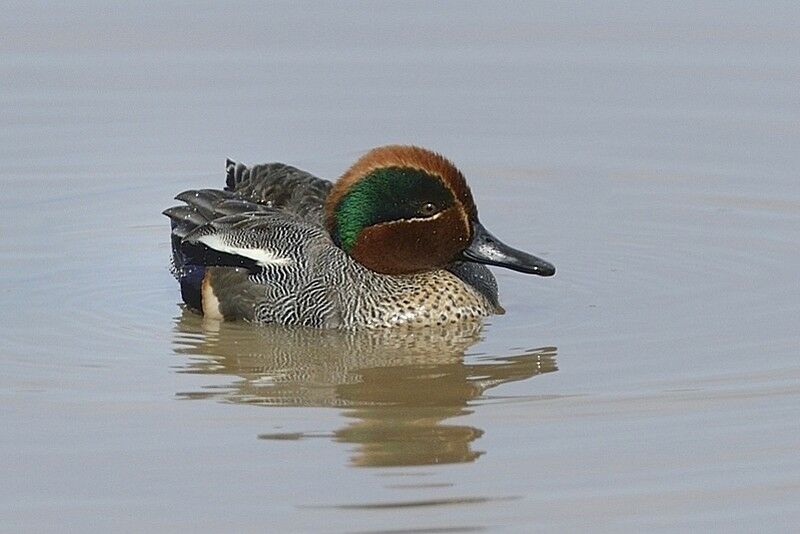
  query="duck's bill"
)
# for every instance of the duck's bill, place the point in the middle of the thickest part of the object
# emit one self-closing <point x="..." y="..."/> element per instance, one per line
<point x="486" y="248"/>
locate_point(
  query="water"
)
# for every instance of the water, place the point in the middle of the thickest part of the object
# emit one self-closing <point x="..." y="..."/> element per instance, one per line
<point x="651" y="152"/>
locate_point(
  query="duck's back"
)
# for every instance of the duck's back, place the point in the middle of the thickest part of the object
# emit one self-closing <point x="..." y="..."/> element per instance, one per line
<point x="280" y="186"/>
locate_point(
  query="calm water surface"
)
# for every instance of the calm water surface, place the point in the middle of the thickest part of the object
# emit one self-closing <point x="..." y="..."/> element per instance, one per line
<point x="652" y="153"/>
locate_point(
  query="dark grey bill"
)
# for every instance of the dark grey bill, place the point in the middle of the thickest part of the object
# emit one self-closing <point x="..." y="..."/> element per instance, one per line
<point x="486" y="248"/>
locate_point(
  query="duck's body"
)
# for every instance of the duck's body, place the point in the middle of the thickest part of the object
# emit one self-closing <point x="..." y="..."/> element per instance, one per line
<point x="272" y="248"/>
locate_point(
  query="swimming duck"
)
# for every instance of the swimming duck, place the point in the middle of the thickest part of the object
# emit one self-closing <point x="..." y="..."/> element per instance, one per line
<point x="395" y="241"/>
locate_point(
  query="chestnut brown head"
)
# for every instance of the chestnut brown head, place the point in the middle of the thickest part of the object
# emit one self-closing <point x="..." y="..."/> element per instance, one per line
<point x="404" y="209"/>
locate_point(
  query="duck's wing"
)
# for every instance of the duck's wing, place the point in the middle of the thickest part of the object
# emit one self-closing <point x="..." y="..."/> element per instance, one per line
<point x="264" y="242"/>
<point x="280" y="186"/>
<point x="219" y="228"/>
<point x="262" y="263"/>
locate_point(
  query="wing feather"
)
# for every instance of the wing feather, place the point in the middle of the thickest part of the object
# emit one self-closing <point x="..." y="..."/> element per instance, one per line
<point x="280" y="186"/>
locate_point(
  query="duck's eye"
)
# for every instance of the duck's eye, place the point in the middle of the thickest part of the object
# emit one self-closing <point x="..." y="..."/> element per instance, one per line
<point x="428" y="209"/>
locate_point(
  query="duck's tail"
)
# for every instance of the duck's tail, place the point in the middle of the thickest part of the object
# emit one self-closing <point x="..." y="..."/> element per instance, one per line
<point x="201" y="207"/>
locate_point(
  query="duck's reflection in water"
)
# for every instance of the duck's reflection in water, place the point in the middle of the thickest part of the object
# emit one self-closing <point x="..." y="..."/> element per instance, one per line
<point x="398" y="385"/>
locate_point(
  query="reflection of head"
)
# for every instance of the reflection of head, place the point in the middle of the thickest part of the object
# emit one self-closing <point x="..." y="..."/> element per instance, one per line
<point x="399" y="385"/>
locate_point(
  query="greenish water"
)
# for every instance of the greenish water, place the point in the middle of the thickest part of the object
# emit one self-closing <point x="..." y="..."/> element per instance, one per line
<point x="651" y="152"/>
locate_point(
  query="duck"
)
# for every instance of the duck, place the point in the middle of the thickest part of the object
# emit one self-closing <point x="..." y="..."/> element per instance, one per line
<point x="396" y="241"/>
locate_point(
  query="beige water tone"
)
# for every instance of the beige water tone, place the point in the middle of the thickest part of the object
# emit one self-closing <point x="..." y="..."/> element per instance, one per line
<point x="651" y="152"/>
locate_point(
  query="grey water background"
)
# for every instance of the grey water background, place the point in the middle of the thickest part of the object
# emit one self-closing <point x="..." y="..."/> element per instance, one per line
<point x="650" y="150"/>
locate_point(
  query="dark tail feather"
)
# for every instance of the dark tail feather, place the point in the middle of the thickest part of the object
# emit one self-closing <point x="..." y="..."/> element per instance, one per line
<point x="236" y="174"/>
<point x="183" y="220"/>
<point x="191" y="280"/>
<point x="205" y="201"/>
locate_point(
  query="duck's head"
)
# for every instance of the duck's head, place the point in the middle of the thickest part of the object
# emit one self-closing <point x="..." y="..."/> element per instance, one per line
<point x="405" y="209"/>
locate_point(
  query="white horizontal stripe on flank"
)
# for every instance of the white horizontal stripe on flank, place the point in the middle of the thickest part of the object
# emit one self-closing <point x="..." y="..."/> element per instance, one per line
<point x="263" y="257"/>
